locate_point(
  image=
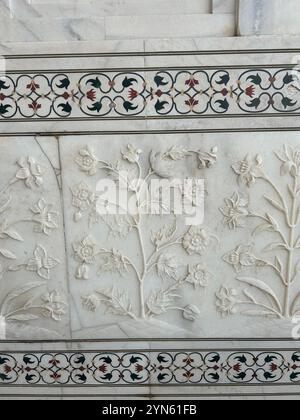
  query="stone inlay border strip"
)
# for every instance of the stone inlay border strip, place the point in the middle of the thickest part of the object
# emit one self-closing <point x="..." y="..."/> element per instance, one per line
<point x="116" y="368"/>
<point x="141" y="94"/>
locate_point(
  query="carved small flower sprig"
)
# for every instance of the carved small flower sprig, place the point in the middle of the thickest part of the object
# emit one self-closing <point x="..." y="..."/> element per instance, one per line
<point x="45" y="218"/>
<point x="85" y="253"/>
<point x="54" y="305"/>
<point x="30" y="172"/>
<point x="49" y="305"/>
<point x="226" y="301"/>
<point x="42" y="263"/>
<point x="241" y="257"/>
<point x="83" y="200"/>
<point x="235" y="211"/>
<point x="249" y="169"/>
<point x="290" y="159"/>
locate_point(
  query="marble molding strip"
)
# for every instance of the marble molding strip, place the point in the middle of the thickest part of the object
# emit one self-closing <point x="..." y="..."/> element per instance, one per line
<point x="151" y="93"/>
<point x="157" y="368"/>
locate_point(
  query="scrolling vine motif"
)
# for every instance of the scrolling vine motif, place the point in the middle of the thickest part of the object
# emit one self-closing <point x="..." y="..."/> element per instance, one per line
<point x="284" y="225"/>
<point x="186" y="92"/>
<point x="162" y="261"/>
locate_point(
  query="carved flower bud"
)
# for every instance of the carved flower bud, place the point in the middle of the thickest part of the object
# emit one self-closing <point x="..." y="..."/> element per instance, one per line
<point x="191" y="313"/>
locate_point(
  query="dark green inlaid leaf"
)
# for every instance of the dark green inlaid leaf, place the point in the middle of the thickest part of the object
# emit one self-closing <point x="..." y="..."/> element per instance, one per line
<point x="159" y="81"/>
<point x="3" y="85"/>
<point x="96" y="83"/>
<point x="4" y="109"/>
<point x="127" y="82"/>
<point x="255" y="79"/>
<point x="288" y="102"/>
<point x="65" y="107"/>
<point x="64" y="83"/>
<point x="223" y="104"/>
<point x="254" y="103"/>
<point x="288" y="78"/>
<point x="129" y="106"/>
<point x="224" y="80"/>
<point x="97" y="106"/>
<point x="160" y="105"/>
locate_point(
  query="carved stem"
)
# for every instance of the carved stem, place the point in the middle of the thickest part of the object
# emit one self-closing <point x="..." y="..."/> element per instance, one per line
<point x="144" y="271"/>
<point x="291" y="250"/>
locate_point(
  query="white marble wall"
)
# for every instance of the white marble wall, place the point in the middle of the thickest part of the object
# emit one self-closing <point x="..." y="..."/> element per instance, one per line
<point x="264" y="17"/>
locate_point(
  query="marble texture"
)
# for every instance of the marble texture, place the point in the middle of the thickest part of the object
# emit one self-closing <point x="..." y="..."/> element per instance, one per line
<point x="262" y="17"/>
<point x="224" y="6"/>
<point x="99" y="8"/>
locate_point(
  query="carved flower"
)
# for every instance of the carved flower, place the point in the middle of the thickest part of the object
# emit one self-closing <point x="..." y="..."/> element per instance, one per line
<point x="226" y="301"/>
<point x="30" y="172"/>
<point x="90" y="302"/>
<point x="191" y="313"/>
<point x="240" y="258"/>
<point x="44" y="217"/>
<point x="41" y="263"/>
<point x="83" y="199"/>
<point x="85" y="250"/>
<point x="208" y="159"/>
<point x="234" y="210"/>
<point x="87" y="161"/>
<point x="197" y="240"/>
<point x="290" y="161"/>
<point x="198" y="276"/>
<point x="249" y="170"/>
<point x="54" y="305"/>
<point x="132" y="154"/>
<point x="85" y="253"/>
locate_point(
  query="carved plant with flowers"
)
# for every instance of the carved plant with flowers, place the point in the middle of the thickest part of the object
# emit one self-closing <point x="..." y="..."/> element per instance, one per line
<point x="32" y="300"/>
<point x="282" y="256"/>
<point x="161" y="262"/>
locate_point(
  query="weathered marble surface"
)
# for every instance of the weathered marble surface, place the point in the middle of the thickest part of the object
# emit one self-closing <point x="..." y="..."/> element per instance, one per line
<point x="262" y="17"/>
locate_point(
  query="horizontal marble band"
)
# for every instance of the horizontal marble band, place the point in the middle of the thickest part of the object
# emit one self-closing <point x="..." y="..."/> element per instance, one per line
<point x="156" y="368"/>
<point x="161" y="93"/>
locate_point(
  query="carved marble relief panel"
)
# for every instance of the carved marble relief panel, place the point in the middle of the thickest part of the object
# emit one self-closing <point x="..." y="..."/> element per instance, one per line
<point x="155" y="276"/>
<point x="33" y="277"/>
<point x="151" y="272"/>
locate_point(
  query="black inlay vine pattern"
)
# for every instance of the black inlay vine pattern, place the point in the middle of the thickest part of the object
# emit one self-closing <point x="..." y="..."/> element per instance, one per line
<point x="160" y="368"/>
<point x="149" y="93"/>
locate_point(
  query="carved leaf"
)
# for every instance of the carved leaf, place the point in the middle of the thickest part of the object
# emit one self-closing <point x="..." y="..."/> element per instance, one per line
<point x="7" y="254"/>
<point x="275" y="246"/>
<point x="5" y="200"/>
<point x="164" y="235"/>
<point x="167" y="266"/>
<point x="120" y="226"/>
<point x="13" y="235"/>
<point x="249" y="295"/>
<point x="176" y="153"/>
<point x="275" y="204"/>
<point x="19" y="292"/>
<point x="262" y="287"/>
<point x="160" y="301"/>
<point x="24" y="317"/>
<point x="116" y="301"/>
<point x="254" y="312"/>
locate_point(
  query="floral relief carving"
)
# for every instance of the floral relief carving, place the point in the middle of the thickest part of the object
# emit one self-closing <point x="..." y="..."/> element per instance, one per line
<point x="32" y="300"/>
<point x="281" y="257"/>
<point x="162" y="263"/>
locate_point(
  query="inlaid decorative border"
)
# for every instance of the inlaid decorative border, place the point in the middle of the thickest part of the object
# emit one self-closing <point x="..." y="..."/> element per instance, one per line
<point x="149" y="93"/>
<point x="116" y="368"/>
